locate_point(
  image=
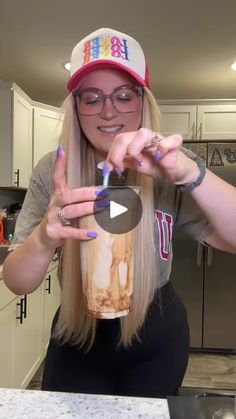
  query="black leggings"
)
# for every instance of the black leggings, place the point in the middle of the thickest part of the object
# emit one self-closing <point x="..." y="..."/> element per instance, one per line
<point x="153" y="367"/>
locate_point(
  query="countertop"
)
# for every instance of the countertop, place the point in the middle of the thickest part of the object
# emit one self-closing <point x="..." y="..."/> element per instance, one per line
<point x="32" y="404"/>
<point x="16" y="404"/>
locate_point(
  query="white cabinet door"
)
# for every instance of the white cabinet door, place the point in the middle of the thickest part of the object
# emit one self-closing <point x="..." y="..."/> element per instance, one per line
<point x="7" y="333"/>
<point x="28" y="342"/>
<point x="6" y="170"/>
<point x="15" y="136"/>
<point x="216" y="122"/>
<point x="202" y="122"/>
<point x="23" y="329"/>
<point x="52" y="294"/>
<point x="179" y="119"/>
<point x="22" y="140"/>
<point x="46" y="132"/>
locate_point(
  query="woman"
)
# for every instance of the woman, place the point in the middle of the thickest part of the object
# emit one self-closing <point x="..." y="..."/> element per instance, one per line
<point x="111" y="120"/>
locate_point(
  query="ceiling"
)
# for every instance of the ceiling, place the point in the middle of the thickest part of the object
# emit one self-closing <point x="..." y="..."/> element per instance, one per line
<point x="189" y="45"/>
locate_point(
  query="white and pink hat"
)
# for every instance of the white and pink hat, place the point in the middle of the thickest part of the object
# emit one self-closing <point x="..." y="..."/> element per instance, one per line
<point x="108" y="48"/>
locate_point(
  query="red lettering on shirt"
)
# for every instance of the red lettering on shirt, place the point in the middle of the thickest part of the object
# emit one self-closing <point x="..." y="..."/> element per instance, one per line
<point x="165" y="223"/>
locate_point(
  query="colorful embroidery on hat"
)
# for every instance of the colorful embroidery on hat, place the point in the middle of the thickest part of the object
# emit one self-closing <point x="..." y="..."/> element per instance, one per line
<point x="105" y="46"/>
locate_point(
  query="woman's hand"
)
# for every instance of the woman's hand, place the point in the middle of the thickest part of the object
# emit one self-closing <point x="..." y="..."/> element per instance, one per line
<point x="137" y="150"/>
<point x="74" y="203"/>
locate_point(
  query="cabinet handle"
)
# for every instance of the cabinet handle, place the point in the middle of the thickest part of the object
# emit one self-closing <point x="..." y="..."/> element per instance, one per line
<point x="24" y="306"/>
<point x="199" y="253"/>
<point x="20" y="317"/>
<point x="200" y="131"/>
<point x="17" y="173"/>
<point x="193" y="131"/>
<point x="48" y="288"/>
<point x="209" y="255"/>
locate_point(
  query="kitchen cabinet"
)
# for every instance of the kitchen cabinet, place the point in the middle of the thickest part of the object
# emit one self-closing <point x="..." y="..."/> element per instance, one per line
<point x="25" y="323"/>
<point x="28" y="337"/>
<point x="179" y="119"/>
<point x="47" y="124"/>
<point x="15" y="136"/>
<point x="216" y="122"/>
<point x="7" y="333"/>
<point x="52" y="293"/>
<point x="21" y="321"/>
<point x="28" y="131"/>
<point x="199" y="121"/>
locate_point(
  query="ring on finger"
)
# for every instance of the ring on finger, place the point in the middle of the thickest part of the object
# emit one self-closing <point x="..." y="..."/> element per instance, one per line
<point x="63" y="220"/>
<point x="155" y="139"/>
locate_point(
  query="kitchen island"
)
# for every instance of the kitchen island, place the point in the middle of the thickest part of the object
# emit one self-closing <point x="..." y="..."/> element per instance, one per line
<point x="17" y="404"/>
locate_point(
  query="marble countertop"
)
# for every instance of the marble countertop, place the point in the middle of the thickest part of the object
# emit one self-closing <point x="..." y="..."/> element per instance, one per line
<point x="16" y="404"/>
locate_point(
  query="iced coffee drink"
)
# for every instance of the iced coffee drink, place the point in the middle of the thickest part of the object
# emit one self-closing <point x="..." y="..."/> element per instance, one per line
<point x="107" y="270"/>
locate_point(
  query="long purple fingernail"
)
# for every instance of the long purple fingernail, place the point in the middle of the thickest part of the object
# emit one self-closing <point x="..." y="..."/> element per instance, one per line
<point x="138" y="162"/>
<point x="105" y="169"/>
<point x="102" y="204"/>
<point x="102" y="193"/>
<point x="98" y="191"/>
<point x="118" y="172"/>
<point x="59" y="150"/>
<point x="92" y="234"/>
<point x="158" y="155"/>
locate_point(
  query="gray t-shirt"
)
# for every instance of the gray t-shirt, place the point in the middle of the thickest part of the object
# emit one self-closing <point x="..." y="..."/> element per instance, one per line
<point x="173" y="209"/>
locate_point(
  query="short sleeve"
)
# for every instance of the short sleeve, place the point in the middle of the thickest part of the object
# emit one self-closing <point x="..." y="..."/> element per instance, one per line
<point x="37" y="198"/>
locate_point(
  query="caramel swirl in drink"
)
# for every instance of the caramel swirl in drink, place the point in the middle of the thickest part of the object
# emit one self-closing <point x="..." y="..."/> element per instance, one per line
<point x="107" y="271"/>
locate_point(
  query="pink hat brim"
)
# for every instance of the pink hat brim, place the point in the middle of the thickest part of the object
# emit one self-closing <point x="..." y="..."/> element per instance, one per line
<point x="76" y="77"/>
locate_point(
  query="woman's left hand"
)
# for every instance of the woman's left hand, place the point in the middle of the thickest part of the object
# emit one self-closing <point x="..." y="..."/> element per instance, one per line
<point x="161" y="158"/>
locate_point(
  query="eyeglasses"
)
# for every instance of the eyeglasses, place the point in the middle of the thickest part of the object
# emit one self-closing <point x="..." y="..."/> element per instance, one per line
<point x="124" y="99"/>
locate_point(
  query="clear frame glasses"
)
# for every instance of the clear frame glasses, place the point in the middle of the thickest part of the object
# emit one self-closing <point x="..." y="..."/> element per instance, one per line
<point x="125" y="99"/>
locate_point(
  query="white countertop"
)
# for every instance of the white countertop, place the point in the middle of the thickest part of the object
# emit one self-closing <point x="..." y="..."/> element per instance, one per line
<point x="16" y="404"/>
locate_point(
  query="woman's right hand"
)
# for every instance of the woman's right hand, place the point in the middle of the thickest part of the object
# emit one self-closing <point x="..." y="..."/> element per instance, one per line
<point x="75" y="203"/>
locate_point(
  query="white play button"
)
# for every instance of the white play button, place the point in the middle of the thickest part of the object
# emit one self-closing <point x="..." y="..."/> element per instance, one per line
<point x="116" y="209"/>
<point x="121" y="209"/>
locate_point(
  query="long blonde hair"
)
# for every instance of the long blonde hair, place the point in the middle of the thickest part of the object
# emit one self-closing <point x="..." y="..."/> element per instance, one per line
<point x="74" y="324"/>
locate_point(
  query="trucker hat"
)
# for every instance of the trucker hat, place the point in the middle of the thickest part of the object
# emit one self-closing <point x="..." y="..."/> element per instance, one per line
<point x="108" y="48"/>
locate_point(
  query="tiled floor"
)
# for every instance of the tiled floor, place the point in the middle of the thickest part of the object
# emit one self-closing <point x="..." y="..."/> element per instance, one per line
<point x="204" y="371"/>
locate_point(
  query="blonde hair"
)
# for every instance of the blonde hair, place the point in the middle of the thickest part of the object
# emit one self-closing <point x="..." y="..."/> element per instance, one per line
<point x="74" y="324"/>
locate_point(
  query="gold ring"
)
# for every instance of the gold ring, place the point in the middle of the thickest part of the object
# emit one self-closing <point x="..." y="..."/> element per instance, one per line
<point x="64" y="221"/>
